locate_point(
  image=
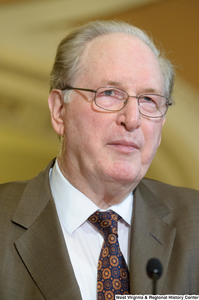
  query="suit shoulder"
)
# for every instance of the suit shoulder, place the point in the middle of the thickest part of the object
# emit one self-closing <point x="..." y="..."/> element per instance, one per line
<point x="174" y="193"/>
<point x="10" y="193"/>
<point x="10" y="189"/>
<point x="182" y="203"/>
<point x="13" y="190"/>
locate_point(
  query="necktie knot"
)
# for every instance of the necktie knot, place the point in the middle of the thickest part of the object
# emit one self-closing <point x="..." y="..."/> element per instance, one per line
<point x="105" y="222"/>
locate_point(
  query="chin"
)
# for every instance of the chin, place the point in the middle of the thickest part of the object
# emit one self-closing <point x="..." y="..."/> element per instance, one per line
<point x="125" y="178"/>
<point x="125" y="173"/>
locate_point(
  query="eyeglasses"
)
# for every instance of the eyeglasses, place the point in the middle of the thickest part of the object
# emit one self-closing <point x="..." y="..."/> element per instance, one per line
<point x="114" y="99"/>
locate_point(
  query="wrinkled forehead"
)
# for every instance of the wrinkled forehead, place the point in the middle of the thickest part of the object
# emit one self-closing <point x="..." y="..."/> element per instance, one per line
<point x="121" y="56"/>
<point x="117" y="46"/>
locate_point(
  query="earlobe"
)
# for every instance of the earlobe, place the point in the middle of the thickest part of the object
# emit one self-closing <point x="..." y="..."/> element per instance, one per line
<point x="163" y="121"/>
<point x="56" y="106"/>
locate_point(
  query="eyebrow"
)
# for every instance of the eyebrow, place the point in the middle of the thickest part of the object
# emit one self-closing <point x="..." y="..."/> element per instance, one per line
<point x="151" y="90"/>
<point x="112" y="83"/>
<point x="120" y="85"/>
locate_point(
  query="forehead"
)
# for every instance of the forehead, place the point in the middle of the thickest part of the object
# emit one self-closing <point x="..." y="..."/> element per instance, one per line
<point x="119" y="57"/>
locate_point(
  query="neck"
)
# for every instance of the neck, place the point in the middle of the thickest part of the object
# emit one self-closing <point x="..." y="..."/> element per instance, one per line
<point x="104" y="193"/>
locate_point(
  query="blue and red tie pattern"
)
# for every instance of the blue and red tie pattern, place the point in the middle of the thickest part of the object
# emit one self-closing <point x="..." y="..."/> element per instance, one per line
<point x="113" y="275"/>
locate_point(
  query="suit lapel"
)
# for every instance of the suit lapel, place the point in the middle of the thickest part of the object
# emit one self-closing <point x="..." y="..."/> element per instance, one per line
<point x="151" y="237"/>
<point x="42" y="246"/>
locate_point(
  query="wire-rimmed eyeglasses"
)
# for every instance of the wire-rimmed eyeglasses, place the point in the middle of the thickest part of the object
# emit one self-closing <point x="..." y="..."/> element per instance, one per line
<point x="115" y="99"/>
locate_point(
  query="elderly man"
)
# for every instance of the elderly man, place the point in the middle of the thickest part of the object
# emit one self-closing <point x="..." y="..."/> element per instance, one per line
<point x="86" y="226"/>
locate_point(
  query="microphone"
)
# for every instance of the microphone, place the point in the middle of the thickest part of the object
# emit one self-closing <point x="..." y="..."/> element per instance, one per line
<point x="154" y="271"/>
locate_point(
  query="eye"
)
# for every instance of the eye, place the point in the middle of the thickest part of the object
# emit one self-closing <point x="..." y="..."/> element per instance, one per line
<point x="147" y="99"/>
<point x="110" y="93"/>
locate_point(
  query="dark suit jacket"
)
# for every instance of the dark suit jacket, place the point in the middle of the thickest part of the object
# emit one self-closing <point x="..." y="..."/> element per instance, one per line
<point x="34" y="262"/>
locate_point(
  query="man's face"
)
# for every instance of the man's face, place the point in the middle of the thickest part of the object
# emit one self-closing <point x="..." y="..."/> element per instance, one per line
<point x="112" y="146"/>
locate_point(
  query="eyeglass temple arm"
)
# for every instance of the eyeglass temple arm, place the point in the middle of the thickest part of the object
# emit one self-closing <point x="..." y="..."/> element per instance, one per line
<point x="80" y="89"/>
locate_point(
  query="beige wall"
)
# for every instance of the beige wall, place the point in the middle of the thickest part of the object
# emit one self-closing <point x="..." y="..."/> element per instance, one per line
<point x="27" y="142"/>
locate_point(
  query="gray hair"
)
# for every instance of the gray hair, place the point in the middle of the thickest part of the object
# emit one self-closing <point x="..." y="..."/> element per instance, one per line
<point x="67" y="65"/>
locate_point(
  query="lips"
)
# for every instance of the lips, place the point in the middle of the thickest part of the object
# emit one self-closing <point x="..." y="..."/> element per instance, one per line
<point x="124" y="145"/>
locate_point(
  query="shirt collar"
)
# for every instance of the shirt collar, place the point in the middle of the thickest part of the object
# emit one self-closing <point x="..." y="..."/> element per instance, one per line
<point x="74" y="207"/>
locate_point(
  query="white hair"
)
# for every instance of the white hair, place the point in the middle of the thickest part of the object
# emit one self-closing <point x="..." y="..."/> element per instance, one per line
<point x="67" y="65"/>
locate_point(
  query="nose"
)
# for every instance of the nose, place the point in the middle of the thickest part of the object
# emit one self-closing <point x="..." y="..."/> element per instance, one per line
<point x="129" y="116"/>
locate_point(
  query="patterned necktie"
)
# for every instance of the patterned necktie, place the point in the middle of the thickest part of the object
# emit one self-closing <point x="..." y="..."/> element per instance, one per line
<point x="113" y="276"/>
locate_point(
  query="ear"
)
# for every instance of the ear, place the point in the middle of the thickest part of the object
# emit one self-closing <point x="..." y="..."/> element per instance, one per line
<point x="163" y="121"/>
<point x="56" y="106"/>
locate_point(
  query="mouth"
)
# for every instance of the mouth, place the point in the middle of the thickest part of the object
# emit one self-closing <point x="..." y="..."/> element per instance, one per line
<point x="124" y="146"/>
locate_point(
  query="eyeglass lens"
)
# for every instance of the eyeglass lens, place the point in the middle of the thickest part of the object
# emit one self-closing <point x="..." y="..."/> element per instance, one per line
<point x="114" y="99"/>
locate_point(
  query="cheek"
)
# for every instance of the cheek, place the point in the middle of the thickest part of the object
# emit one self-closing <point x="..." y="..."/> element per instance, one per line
<point x="152" y="135"/>
<point x="96" y="132"/>
<point x="85" y="128"/>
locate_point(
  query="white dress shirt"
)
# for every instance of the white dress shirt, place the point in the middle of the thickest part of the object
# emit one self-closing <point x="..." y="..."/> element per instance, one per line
<point x="82" y="239"/>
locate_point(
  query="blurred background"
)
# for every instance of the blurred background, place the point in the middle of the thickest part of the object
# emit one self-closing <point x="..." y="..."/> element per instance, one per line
<point x="30" y="31"/>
